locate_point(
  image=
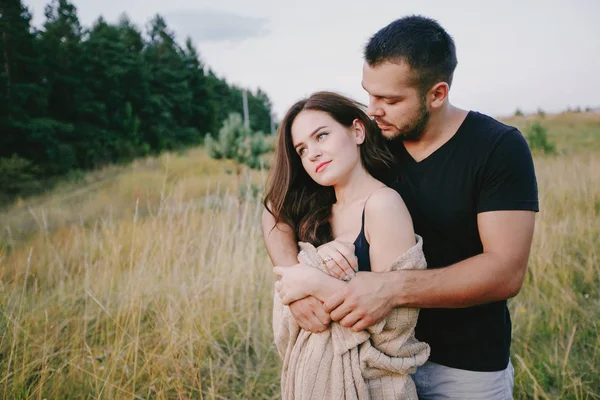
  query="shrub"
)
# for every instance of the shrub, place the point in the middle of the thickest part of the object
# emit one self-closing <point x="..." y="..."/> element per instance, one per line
<point x="17" y="176"/>
<point x="236" y="142"/>
<point x="537" y="137"/>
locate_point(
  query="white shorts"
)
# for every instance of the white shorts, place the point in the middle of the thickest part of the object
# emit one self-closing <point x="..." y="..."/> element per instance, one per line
<point x="436" y="382"/>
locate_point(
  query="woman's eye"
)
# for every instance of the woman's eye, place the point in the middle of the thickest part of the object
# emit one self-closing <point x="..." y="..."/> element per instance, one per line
<point x="322" y="135"/>
<point x="301" y="151"/>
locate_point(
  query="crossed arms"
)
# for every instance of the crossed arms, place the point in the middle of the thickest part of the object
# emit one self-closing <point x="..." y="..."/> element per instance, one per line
<point x="494" y="275"/>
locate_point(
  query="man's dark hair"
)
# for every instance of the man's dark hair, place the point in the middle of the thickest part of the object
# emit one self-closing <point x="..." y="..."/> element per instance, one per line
<point x="421" y="42"/>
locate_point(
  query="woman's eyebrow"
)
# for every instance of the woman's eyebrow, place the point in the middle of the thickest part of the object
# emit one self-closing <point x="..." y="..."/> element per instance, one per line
<point x="311" y="135"/>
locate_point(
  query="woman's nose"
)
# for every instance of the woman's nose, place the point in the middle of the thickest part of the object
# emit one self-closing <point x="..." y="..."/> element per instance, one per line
<point x="314" y="152"/>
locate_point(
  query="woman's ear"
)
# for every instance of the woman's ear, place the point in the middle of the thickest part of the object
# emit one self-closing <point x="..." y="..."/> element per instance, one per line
<point x="359" y="132"/>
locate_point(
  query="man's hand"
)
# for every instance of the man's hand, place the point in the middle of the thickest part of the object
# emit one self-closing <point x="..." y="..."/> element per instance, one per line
<point x="339" y="258"/>
<point x="310" y="314"/>
<point x="367" y="299"/>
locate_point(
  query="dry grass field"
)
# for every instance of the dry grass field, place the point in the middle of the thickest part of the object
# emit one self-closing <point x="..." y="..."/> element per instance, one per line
<point x="150" y="281"/>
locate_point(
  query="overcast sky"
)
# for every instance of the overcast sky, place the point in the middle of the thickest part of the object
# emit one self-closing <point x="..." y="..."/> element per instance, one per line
<point x="511" y="53"/>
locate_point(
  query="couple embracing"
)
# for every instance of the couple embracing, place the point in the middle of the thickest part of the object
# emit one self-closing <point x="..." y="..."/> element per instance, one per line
<point x="398" y="232"/>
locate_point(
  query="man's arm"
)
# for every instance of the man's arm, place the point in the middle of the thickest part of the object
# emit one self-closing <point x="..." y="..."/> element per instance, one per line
<point x="506" y="206"/>
<point x="494" y="275"/>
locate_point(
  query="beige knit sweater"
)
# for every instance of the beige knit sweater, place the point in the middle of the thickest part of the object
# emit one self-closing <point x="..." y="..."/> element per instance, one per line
<point x="341" y="364"/>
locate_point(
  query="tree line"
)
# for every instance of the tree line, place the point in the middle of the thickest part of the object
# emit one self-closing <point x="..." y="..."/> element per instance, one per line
<point x="75" y="98"/>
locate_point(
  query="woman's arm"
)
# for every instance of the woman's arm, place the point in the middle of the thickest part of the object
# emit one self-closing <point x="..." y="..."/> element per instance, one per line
<point x="280" y="241"/>
<point x="388" y="228"/>
<point x="302" y="281"/>
<point x="326" y="286"/>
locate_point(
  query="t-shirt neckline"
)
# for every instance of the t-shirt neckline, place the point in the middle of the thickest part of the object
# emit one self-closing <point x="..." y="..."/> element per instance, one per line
<point x="440" y="149"/>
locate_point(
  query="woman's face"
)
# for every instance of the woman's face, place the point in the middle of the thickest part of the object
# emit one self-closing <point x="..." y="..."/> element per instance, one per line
<point x="328" y="150"/>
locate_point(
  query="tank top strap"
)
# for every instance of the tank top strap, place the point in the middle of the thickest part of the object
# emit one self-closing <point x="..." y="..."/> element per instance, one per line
<point x="362" y="227"/>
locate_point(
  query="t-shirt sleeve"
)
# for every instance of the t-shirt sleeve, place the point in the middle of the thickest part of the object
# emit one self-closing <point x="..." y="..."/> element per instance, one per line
<point x="508" y="179"/>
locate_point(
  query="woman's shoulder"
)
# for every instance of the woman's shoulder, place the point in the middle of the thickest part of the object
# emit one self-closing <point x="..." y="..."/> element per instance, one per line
<point x="388" y="228"/>
<point x="384" y="199"/>
<point x="385" y="206"/>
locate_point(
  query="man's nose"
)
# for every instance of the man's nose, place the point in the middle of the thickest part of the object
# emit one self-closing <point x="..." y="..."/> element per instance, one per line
<point x="373" y="109"/>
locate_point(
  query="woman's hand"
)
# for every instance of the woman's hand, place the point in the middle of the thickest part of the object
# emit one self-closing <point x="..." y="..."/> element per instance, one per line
<point x="296" y="282"/>
<point x="339" y="258"/>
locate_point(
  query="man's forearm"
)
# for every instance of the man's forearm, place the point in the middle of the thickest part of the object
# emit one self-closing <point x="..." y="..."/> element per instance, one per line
<point x="280" y="241"/>
<point x="477" y="280"/>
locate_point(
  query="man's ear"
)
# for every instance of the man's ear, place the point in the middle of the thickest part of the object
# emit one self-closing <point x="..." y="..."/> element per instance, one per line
<point x="438" y="94"/>
<point x="359" y="131"/>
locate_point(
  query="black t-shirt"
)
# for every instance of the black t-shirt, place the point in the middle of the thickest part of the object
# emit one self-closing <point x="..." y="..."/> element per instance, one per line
<point x="485" y="166"/>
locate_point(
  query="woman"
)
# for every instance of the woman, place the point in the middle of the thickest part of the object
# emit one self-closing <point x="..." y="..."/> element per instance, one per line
<point x="326" y="185"/>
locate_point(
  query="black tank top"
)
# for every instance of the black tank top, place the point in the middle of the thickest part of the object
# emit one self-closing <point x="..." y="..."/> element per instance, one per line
<point x="361" y="248"/>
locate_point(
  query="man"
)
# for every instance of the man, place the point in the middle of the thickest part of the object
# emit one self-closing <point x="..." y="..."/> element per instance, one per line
<point x="469" y="184"/>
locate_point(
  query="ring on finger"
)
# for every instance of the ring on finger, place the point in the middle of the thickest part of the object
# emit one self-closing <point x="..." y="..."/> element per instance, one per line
<point x="327" y="259"/>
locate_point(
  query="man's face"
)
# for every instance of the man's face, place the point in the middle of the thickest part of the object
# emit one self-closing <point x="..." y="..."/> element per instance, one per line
<point x="396" y="104"/>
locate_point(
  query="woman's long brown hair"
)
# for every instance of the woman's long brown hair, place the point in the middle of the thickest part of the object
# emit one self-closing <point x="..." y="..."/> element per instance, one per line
<point x="292" y="196"/>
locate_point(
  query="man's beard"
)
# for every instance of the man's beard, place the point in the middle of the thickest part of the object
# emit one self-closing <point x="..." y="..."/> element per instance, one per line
<point x="414" y="129"/>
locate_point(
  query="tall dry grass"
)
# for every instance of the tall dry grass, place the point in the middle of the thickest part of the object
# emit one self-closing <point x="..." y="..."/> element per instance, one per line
<point x="149" y="287"/>
<point x="556" y="317"/>
<point x="171" y="301"/>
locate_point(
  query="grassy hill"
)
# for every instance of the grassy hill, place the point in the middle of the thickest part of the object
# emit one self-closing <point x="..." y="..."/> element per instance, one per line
<point x="571" y="131"/>
<point x="151" y="281"/>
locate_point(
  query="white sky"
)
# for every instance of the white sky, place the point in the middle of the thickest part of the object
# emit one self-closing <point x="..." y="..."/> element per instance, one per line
<point x="511" y="53"/>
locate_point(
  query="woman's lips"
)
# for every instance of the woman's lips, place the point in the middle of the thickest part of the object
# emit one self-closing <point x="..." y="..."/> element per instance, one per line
<point x="321" y="166"/>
